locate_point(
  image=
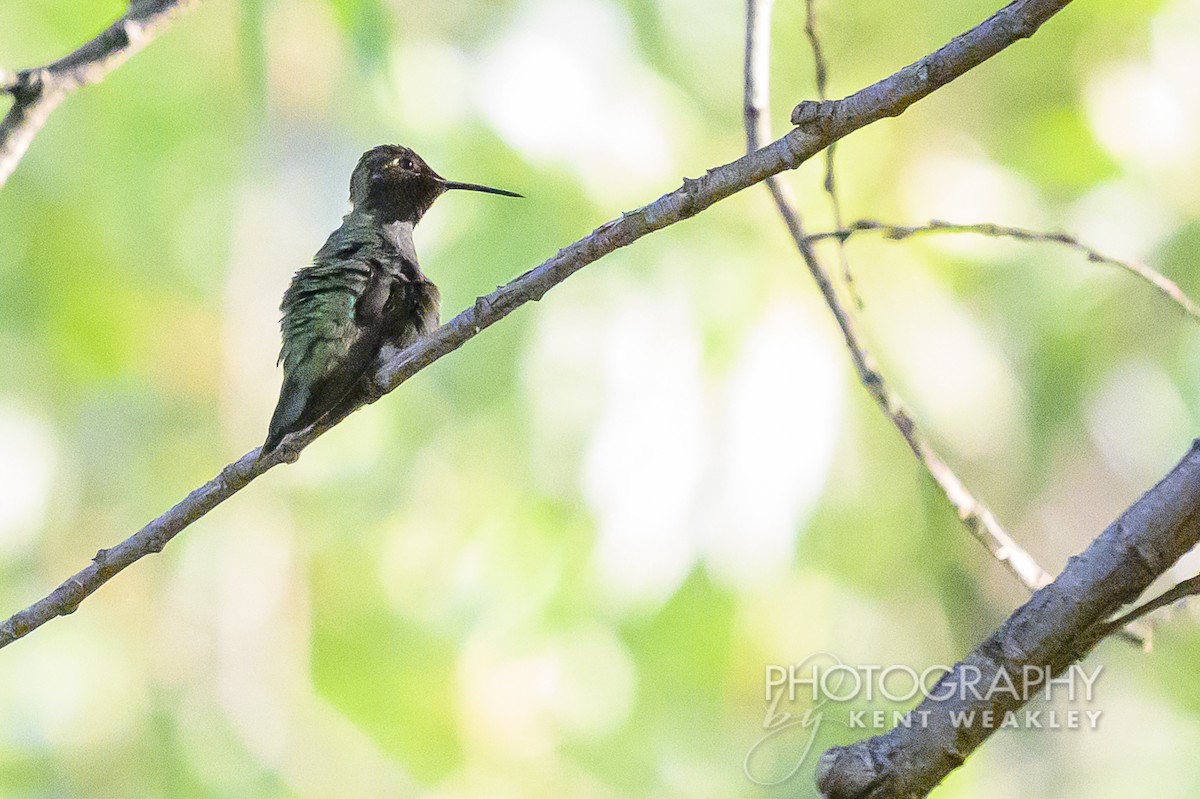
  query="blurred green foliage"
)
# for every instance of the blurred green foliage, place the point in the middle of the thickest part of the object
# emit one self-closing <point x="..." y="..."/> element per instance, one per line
<point x="559" y="561"/>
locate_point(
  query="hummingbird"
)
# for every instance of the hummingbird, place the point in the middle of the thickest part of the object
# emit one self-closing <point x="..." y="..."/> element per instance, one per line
<point x="364" y="297"/>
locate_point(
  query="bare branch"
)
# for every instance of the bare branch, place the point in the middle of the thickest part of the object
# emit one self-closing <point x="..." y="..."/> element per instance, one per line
<point x="1167" y="287"/>
<point x="820" y="65"/>
<point x="38" y="91"/>
<point x="822" y="125"/>
<point x="978" y="520"/>
<point x="821" y="73"/>
<point x="1058" y="626"/>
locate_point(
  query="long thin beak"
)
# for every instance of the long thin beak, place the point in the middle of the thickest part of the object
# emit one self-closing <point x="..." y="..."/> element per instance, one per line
<point x="453" y="184"/>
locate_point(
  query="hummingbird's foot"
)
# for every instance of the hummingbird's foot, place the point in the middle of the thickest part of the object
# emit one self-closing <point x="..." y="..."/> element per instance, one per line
<point x="286" y="451"/>
<point x="289" y="452"/>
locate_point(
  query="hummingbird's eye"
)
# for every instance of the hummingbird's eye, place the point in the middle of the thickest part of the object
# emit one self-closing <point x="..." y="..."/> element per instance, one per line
<point x="407" y="163"/>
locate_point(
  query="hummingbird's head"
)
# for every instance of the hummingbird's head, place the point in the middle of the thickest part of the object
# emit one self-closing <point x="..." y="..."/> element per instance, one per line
<point x="395" y="184"/>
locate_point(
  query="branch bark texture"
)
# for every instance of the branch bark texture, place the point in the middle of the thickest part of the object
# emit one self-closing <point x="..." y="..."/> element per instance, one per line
<point x="1058" y="626"/>
<point x="819" y="125"/>
<point x="38" y="91"/>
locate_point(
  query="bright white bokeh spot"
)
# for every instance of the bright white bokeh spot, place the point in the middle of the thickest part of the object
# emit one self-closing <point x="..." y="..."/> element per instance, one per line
<point x="596" y="685"/>
<point x="1147" y="112"/>
<point x="1137" y="115"/>
<point x="953" y="373"/>
<point x="1122" y="220"/>
<point x="563" y="86"/>
<point x="646" y="460"/>
<point x="27" y="466"/>
<point x="955" y="187"/>
<point x="783" y="409"/>
<point x="1138" y="421"/>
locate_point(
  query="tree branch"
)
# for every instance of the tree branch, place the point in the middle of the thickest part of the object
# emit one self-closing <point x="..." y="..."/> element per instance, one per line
<point x="38" y="91"/>
<point x="819" y="127"/>
<point x="1167" y="287"/>
<point x="978" y="520"/>
<point x="1058" y="626"/>
<point x="821" y="75"/>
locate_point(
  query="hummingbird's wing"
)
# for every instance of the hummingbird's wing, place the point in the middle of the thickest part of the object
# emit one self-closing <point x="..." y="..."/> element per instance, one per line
<point x="330" y="334"/>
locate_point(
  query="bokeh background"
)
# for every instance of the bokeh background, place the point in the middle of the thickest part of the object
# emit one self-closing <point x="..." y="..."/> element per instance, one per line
<point x="558" y="562"/>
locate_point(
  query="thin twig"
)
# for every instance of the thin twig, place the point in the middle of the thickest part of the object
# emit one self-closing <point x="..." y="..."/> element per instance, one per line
<point x="819" y="126"/>
<point x="821" y="72"/>
<point x="1167" y="287"/>
<point x="1189" y="587"/>
<point x="978" y="520"/>
<point x="38" y="91"/>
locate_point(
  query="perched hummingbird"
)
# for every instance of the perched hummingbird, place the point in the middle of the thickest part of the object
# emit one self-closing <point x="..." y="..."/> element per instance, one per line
<point x="364" y="296"/>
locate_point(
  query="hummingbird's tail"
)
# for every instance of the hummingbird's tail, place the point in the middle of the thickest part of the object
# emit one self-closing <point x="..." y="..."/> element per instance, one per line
<point x="274" y="439"/>
<point x="289" y="413"/>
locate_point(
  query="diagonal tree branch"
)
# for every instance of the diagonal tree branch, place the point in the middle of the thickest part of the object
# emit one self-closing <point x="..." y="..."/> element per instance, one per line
<point x="1167" y="287"/>
<point x="820" y="124"/>
<point x="1058" y="626"/>
<point x="36" y="92"/>
<point x="978" y="520"/>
